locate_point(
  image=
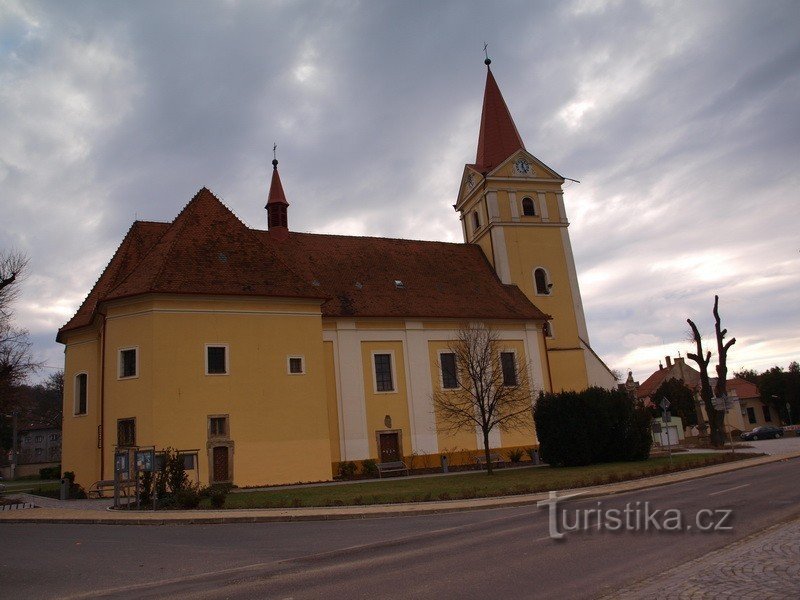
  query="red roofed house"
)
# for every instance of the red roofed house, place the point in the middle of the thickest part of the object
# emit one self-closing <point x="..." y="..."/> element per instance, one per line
<point x="748" y="413"/>
<point x="270" y="356"/>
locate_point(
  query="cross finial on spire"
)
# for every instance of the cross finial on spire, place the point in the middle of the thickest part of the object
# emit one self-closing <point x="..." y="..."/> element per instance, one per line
<point x="488" y="60"/>
<point x="274" y="155"/>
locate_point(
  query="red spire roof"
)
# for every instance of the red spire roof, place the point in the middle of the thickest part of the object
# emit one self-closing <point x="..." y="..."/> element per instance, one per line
<point x="498" y="137"/>
<point x="276" y="195"/>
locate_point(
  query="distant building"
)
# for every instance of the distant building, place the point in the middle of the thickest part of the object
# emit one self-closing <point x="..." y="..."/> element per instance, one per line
<point x="749" y="410"/>
<point x="39" y="444"/>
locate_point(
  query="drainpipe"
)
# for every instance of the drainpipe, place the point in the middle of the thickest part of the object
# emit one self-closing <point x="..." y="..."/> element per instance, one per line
<point x="102" y="395"/>
<point x="547" y="355"/>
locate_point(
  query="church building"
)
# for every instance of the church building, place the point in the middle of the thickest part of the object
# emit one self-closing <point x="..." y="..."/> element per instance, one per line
<point x="271" y="356"/>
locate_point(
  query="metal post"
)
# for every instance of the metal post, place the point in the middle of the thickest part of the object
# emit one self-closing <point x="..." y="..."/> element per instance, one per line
<point x="14" y="450"/>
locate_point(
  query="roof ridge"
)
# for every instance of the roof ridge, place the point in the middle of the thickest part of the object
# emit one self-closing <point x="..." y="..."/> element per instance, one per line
<point x="370" y="237"/>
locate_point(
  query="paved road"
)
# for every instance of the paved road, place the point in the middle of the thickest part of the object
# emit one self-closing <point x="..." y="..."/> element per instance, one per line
<point x="503" y="553"/>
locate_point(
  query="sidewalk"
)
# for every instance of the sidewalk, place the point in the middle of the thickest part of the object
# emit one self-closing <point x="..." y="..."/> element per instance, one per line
<point x="69" y="512"/>
<point x="764" y="565"/>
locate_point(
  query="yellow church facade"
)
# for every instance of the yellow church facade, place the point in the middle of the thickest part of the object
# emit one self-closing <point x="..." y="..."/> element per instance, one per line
<point x="271" y="356"/>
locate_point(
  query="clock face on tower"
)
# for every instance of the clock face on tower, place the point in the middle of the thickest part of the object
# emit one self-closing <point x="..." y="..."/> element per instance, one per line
<point x="522" y="167"/>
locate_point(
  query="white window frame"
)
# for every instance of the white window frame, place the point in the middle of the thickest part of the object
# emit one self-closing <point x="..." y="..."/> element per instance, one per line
<point x="441" y="374"/>
<point x="119" y="362"/>
<point x="513" y="352"/>
<point x="75" y="399"/>
<point x="375" y="375"/>
<point x="302" y="364"/>
<point x="227" y="358"/>
<point x="547" y="280"/>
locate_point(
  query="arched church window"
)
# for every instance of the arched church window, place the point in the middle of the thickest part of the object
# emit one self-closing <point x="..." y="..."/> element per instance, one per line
<point x="543" y="286"/>
<point x="476" y="220"/>
<point x="528" y="208"/>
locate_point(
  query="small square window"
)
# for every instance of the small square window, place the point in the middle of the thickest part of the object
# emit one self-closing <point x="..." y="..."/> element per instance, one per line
<point x="189" y="461"/>
<point x="216" y="360"/>
<point x="126" y="432"/>
<point x="39" y="439"/>
<point x="127" y="363"/>
<point x="296" y="366"/>
<point x="218" y="426"/>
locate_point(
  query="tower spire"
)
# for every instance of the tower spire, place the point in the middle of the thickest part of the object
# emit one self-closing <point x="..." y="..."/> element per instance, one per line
<point x="498" y="138"/>
<point x="277" y="218"/>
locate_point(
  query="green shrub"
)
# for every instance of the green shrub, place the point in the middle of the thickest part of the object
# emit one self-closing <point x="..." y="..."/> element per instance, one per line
<point x="515" y="455"/>
<point x="347" y="470"/>
<point x="188" y="497"/>
<point x="592" y="426"/>
<point x="50" y="472"/>
<point x="369" y="467"/>
<point x="217" y="499"/>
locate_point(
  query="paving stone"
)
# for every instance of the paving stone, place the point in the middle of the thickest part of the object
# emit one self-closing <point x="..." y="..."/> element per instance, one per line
<point x="764" y="565"/>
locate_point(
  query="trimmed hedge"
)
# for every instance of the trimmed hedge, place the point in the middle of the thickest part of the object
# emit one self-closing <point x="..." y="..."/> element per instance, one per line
<point x="592" y="426"/>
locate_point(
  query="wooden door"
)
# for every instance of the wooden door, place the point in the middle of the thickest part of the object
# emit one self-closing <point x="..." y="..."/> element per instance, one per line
<point x="390" y="447"/>
<point x="221" y="463"/>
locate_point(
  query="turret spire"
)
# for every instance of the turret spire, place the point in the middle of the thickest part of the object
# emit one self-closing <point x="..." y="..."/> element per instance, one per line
<point x="498" y="138"/>
<point x="277" y="218"/>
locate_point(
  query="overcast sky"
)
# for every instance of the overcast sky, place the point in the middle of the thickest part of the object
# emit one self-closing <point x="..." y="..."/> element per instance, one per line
<point x="680" y="119"/>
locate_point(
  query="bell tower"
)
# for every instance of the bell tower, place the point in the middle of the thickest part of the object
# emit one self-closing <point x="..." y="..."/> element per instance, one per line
<point x="512" y="205"/>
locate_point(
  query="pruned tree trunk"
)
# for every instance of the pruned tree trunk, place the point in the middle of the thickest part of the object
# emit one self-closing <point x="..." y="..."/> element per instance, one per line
<point x="716" y="419"/>
<point x="722" y="352"/>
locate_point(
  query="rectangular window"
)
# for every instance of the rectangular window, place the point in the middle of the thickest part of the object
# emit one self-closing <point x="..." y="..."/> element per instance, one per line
<point x="39" y="452"/>
<point x="216" y="360"/>
<point x="126" y="432"/>
<point x="39" y="439"/>
<point x="751" y="415"/>
<point x="296" y="366"/>
<point x="449" y="377"/>
<point x="128" y="363"/>
<point x="767" y="415"/>
<point x="383" y="373"/>
<point x="189" y="461"/>
<point x="81" y="382"/>
<point x="509" y="366"/>
<point x="217" y="426"/>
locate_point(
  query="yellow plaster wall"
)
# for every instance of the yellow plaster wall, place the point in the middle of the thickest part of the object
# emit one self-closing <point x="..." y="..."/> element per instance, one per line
<point x="455" y="440"/>
<point x="568" y="370"/>
<point x="332" y="400"/>
<point x="79" y="451"/>
<point x="380" y="404"/>
<point x="278" y="422"/>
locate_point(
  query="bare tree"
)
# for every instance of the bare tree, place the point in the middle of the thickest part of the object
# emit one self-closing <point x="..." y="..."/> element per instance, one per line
<point x="486" y="391"/>
<point x="16" y="362"/>
<point x="12" y="267"/>
<point x="721" y="389"/>
<point x="716" y="418"/>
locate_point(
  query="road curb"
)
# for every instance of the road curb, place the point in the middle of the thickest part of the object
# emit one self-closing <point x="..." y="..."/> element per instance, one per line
<point x="258" y="515"/>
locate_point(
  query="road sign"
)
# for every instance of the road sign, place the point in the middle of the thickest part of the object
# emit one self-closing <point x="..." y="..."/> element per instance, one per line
<point x="722" y="403"/>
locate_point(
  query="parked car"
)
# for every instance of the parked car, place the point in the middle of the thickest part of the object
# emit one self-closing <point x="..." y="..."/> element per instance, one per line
<point x="763" y="433"/>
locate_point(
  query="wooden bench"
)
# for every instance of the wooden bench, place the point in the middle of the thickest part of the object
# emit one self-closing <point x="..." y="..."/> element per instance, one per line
<point x="496" y="459"/>
<point x="99" y="488"/>
<point x="392" y="467"/>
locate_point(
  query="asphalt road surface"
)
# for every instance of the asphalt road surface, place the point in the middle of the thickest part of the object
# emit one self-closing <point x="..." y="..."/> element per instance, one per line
<point x="500" y="553"/>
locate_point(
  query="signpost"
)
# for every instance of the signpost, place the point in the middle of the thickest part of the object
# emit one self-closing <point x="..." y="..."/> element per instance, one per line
<point x="724" y="404"/>
<point x="666" y="417"/>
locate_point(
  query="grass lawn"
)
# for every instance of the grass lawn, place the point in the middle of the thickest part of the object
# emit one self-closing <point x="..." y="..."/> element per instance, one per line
<point x="31" y="485"/>
<point x="504" y="482"/>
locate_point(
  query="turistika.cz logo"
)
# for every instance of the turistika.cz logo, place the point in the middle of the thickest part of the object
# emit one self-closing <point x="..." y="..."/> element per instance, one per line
<point x="636" y="517"/>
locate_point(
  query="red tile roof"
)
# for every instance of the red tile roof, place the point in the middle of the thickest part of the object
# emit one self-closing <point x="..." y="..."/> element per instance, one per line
<point x="678" y="370"/>
<point x="743" y="388"/>
<point x="498" y="138"/>
<point x="207" y="250"/>
<point x="276" y="195"/>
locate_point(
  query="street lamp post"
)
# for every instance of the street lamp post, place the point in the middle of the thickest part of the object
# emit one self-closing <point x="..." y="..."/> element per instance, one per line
<point x="13" y="417"/>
